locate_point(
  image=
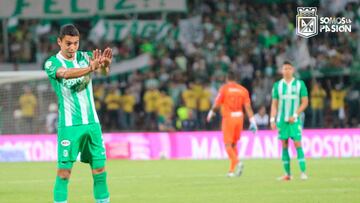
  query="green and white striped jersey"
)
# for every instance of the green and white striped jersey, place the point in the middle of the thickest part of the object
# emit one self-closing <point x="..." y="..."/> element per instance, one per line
<point x="289" y="97"/>
<point x="75" y="96"/>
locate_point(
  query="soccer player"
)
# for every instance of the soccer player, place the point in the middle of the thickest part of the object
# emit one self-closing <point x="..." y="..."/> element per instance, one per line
<point x="232" y="98"/>
<point x="79" y="129"/>
<point x="289" y="100"/>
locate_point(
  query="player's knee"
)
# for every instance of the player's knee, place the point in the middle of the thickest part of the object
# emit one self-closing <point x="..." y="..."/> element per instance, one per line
<point x="98" y="170"/>
<point x="98" y="166"/>
<point x="285" y="144"/>
<point x="64" y="173"/>
<point x="297" y="144"/>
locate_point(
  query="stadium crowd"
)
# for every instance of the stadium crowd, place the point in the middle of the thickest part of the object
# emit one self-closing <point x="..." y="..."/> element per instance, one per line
<point x="177" y="90"/>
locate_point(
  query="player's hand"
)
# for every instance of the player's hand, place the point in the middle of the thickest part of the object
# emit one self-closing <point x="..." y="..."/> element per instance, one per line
<point x="95" y="62"/>
<point x="210" y="115"/>
<point x="273" y="125"/>
<point x="106" y="57"/>
<point x="291" y="119"/>
<point x="253" y="127"/>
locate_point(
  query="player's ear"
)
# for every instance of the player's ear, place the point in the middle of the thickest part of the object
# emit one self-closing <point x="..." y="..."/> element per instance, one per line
<point x="59" y="41"/>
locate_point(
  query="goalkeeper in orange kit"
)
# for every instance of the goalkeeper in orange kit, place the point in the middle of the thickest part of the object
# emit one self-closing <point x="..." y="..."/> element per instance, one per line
<point x="233" y="98"/>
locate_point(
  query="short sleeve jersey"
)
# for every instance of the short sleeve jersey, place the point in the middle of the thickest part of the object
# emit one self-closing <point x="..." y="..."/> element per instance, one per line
<point x="289" y="97"/>
<point x="232" y="97"/>
<point x="75" y="96"/>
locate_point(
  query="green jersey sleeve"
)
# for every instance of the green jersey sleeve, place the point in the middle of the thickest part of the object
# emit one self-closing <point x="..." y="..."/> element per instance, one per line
<point x="303" y="90"/>
<point x="51" y="66"/>
<point x="275" y="92"/>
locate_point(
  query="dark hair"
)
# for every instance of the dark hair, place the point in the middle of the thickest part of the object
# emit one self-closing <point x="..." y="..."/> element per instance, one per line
<point x="231" y="75"/>
<point x="287" y="63"/>
<point x="68" y="29"/>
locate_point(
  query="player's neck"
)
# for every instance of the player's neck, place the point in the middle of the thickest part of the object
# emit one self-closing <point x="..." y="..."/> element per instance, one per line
<point x="289" y="80"/>
<point x="65" y="56"/>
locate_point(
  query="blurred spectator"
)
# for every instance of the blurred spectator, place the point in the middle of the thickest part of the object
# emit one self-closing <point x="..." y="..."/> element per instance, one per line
<point x="259" y="94"/>
<point x="164" y="106"/>
<point x="152" y="81"/>
<point x="204" y="105"/>
<point x="189" y="124"/>
<point x="182" y="113"/>
<point x="151" y="98"/>
<point x="99" y="96"/>
<point x="353" y="101"/>
<point x="262" y="118"/>
<point x="17" y="114"/>
<point x="165" y="123"/>
<point x="338" y="105"/>
<point x="190" y="97"/>
<point x="317" y="100"/>
<point x="128" y="103"/>
<point x="181" y="62"/>
<point x="175" y="90"/>
<point x="28" y="104"/>
<point x="112" y="102"/>
<point x="52" y="119"/>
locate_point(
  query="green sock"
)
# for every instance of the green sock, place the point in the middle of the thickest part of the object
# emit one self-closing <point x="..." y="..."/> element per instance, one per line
<point x="60" y="189"/>
<point x="101" y="192"/>
<point x="286" y="160"/>
<point x="301" y="159"/>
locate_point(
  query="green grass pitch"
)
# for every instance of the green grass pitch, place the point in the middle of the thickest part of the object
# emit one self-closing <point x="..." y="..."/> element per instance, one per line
<point x="330" y="180"/>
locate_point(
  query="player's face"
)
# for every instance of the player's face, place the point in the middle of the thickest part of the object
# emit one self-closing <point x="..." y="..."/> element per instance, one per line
<point x="287" y="71"/>
<point x="69" y="45"/>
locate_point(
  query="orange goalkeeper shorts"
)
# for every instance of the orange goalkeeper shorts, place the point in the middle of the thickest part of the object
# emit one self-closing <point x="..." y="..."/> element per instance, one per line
<point x="231" y="128"/>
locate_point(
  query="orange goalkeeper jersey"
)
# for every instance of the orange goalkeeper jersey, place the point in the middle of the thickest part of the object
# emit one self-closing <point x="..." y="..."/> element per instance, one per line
<point x="232" y="97"/>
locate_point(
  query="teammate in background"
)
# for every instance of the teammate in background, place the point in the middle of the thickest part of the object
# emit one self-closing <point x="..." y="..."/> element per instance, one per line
<point x="289" y="100"/>
<point x="232" y="98"/>
<point x="79" y="129"/>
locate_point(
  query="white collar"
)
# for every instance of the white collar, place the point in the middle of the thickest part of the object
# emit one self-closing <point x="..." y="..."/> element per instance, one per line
<point x="63" y="58"/>
<point x="291" y="81"/>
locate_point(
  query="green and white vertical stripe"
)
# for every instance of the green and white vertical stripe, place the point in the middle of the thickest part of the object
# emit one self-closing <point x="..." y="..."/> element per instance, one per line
<point x="75" y="107"/>
<point x="289" y="97"/>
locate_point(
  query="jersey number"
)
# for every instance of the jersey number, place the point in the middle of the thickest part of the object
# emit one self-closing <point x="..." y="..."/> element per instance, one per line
<point x="234" y="103"/>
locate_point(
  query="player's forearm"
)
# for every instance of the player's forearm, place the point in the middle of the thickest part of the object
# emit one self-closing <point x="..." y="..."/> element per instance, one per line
<point x="304" y="104"/>
<point x="68" y="73"/>
<point x="214" y="108"/>
<point x="273" y="110"/>
<point x="249" y="111"/>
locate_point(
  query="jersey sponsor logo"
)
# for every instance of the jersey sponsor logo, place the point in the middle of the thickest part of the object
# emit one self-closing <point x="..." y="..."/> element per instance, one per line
<point x="72" y="82"/>
<point x="65" y="143"/>
<point x="48" y="64"/>
<point x="77" y="84"/>
<point x="82" y="64"/>
<point x="289" y="96"/>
